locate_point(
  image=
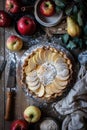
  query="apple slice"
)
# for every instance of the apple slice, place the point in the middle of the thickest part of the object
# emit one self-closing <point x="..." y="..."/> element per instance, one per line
<point x="58" y="87"/>
<point x="42" y="54"/>
<point x="34" y="88"/>
<point x="49" y="89"/>
<point x="33" y="83"/>
<point x="31" y="63"/>
<point x="49" y="55"/>
<point x="59" y="59"/>
<point x="61" y="83"/>
<point x="40" y="91"/>
<point x="36" y="59"/>
<point x="53" y="57"/>
<point x="29" y="68"/>
<point x="60" y="67"/>
<point x="62" y="77"/>
<point x="31" y="78"/>
<point x="47" y="95"/>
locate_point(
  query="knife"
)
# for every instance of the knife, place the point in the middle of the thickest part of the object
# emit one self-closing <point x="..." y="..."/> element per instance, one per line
<point x="11" y="87"/>
<point x="2" y="67"/>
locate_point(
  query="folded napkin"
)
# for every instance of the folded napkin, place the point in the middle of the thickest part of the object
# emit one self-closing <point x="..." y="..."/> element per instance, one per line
<point x="74" y="106"/>
<point x="75" y="100"/>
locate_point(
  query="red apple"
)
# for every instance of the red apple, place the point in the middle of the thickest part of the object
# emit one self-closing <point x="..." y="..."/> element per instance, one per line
<point x="19" y="125"/>
<point x="13" y="6"/>
<point x="14" y="43"/>
<point x="5" y="19"/>
<point x="47" y="8"/>
<point x="26" y="25"/>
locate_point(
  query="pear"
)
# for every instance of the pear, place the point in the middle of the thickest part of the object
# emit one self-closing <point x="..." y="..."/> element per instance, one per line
<point x="73" y="29"/>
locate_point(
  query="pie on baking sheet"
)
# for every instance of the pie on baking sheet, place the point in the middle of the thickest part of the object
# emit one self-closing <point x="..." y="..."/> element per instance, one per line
<point x="47" y="72"/>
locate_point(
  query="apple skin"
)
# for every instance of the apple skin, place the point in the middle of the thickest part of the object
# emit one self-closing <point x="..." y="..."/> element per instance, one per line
<point x="19" y="125"/>
<point x="13" y="6"/>
<point x="32" y="114"/>
<point x="47" y="8"/>
<point x="26" y="26"/>
<point x="14" y="43"/>
<point x="5" y="20"/>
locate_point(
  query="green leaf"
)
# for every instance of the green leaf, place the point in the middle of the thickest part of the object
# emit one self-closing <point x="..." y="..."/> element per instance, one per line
<point x="75" y="10"/>
<point x="68" y="11"/>
<point x="59" y="4"/>
<point x="58" y="9"/>
<point x="65" y="38"/>
<point x="79" y="18"/>
<point x="78" y="42"/>
<point x="71" y="45"/>
<point x="85" y="30"/>
<point x="86" y="42"/>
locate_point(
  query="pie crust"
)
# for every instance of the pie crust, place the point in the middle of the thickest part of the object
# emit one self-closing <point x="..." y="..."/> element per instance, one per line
<point x="47" y="72"/>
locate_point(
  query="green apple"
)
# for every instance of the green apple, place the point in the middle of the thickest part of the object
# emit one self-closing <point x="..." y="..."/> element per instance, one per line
<point x="32" y="114"/>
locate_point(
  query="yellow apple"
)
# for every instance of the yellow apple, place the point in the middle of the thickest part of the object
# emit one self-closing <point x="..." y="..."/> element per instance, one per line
<point x="32" y="114"/>
<point x="14" y="43"/>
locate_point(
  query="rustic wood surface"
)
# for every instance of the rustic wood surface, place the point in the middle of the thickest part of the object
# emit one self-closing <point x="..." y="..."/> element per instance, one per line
<point x="21" y="100"/>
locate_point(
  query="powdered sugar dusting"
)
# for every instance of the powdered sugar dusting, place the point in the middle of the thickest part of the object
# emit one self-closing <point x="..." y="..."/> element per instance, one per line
<point x="46" y="73"/>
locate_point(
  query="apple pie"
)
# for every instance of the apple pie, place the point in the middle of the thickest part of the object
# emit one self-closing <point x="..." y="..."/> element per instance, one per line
<point x="47" y="72"/>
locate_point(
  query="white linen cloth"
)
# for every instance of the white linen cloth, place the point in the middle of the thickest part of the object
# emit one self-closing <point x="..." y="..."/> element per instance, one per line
<point x="74" y="105"/>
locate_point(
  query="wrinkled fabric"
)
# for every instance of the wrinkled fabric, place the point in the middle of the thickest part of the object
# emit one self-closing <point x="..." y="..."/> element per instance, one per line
<point x="75" y="100"/>
<point x="74" y="105"/>
<point x="75" y="121"/>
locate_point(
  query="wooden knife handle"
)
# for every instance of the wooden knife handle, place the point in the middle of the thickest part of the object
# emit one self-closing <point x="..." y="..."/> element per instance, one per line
<point x="9" y="113"/>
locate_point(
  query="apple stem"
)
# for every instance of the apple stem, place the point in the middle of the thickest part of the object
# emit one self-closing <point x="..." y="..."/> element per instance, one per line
<point x="11" y="6"/>
<point x="46" y="4"/>
<point x="26" y="22"/>
<point x="31" y="116"/>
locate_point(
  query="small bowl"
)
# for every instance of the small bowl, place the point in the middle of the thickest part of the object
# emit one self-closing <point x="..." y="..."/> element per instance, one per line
<point x="47" y="123"/>
<point x="46" y="21"/>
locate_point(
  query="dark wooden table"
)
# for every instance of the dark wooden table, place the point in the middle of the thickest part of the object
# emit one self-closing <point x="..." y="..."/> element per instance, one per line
<point x="21" y="100"/>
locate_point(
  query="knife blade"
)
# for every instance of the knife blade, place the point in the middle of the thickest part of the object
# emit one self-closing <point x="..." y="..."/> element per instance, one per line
<point x="11" y="91"/>
<point x="2" y="67"/>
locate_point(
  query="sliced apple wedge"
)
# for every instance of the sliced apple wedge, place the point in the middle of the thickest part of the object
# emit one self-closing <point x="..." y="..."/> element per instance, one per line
<point x="61" y="83"/>
<point x="47" y="95"/>
<point x="58" y="87"/>
<point x="31" y="79"/>
<point x="31" y="65"/>
<point x="40" y="91"/>
<point x="36" y="59"/>
<point x="49" y="89"/>
<point x="63" y="78"/>
<point x="33" y="84"/>
<point x="34" y="88"/>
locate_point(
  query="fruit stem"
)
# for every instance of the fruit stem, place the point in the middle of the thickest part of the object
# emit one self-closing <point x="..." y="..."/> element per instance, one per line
<point x="11" y="6"/>
<point x="31" y="116"/>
